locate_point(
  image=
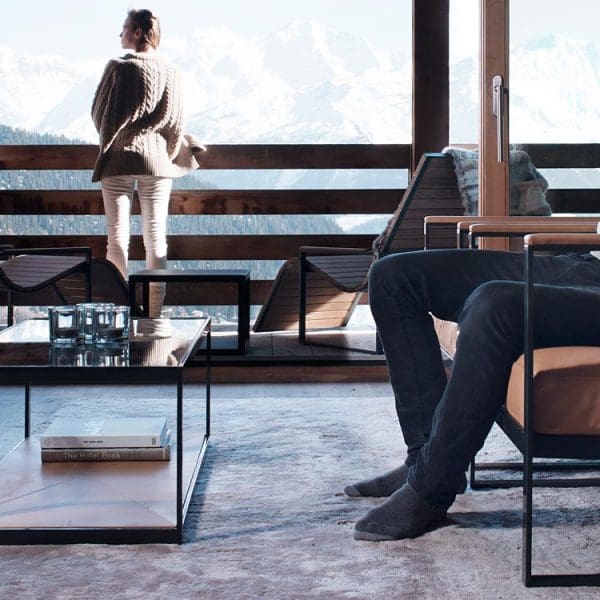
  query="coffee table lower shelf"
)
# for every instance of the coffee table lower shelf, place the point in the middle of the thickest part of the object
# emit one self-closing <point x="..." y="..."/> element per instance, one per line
<point x="93" y="502"/>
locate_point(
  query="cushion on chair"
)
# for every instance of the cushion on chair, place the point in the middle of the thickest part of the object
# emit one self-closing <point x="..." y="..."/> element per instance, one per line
<point x="566" y="386"/>
<point x="447" y="332"/>
<point x="566" y="391"/>
<point x="527" y="185"/>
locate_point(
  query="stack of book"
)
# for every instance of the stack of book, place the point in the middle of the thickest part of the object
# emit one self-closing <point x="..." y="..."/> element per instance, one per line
<point x="111" y="439"/>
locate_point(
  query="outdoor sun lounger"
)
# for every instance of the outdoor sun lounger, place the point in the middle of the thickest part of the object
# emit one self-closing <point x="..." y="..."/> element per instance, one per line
<point x="321" y="288"/>
<point x="46" y="277"/>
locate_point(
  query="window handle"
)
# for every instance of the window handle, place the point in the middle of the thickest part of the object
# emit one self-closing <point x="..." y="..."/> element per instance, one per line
<point x="498" y="93"/>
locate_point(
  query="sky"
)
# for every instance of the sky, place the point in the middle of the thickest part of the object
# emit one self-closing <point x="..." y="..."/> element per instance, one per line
<point x="90" y="28"/>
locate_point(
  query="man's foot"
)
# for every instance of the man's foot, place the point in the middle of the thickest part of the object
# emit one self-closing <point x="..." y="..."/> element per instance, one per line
<point x="379" y="487"/>
<point x="403" y="515"/>
<point x="385" y="485"/>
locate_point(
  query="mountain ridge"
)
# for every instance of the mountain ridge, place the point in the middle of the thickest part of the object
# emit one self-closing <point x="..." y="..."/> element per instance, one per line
<point x="307" y="83"/>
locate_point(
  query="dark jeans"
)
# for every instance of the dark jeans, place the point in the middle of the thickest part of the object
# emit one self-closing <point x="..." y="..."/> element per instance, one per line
<point x="445" y="422"/>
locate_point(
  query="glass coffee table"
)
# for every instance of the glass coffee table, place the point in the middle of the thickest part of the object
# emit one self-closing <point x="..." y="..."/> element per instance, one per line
<point x="102" y="502"/>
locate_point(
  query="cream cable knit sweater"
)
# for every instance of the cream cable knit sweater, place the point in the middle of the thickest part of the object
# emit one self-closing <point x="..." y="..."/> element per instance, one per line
<point x="138" y="113"/>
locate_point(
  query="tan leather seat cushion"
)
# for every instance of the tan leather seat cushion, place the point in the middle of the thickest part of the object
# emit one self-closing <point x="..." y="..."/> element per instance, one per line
<point x="566" y="390"/>
<point x="566" y="386"/>
<point x="447" y="332"/>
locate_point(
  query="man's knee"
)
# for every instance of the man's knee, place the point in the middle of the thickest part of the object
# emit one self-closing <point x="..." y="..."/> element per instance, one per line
<point x="396" y="268"/>
<point x="493" y="302"/>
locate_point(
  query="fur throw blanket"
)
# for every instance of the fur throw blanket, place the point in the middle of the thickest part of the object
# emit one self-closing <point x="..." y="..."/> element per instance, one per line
<point x="527" y="185"/>
<point x="527" y="188"/>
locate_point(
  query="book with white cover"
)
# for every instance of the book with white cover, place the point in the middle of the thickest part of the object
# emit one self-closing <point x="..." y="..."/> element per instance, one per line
<point x="124" y="432"/>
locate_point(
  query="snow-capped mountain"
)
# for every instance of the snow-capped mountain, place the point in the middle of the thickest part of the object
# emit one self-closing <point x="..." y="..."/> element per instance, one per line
<point x="35" y="85"/>
<point x="554" y="87"/>
<point x="307" y="83"/>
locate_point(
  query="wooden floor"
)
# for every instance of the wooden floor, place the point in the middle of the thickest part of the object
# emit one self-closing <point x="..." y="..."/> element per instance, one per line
<point x="336" y="355"/>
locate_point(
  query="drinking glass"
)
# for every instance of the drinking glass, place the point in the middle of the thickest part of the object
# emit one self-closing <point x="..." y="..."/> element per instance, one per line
<point x="111" y="325"/>
<point x="64" y="324"/>
<point x="86" y="316"/>
<point x="67" y="356"/>
<point x="115" y="355"/>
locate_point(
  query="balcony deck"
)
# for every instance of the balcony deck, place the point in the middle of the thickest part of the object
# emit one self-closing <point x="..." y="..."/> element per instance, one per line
<point x="268" y="517"/>
<point x="343" y="354"/>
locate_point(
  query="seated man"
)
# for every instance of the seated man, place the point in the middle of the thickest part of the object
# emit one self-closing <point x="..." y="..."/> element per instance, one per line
<point x="445" y="422"/>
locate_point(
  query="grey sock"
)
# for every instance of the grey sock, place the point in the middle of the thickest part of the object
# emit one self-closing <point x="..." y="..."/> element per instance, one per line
<point x="379" y="487"/>
<point x="403" y="515"/>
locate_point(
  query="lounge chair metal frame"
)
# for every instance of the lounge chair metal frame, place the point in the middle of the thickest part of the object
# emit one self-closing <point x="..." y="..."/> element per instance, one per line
<point x="571" y="450"/>
<point x="532" y="444"/>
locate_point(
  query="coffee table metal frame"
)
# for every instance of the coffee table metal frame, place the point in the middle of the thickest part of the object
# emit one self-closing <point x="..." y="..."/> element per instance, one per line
<point x="239" y="277"/>
<point x="36" y="375"/>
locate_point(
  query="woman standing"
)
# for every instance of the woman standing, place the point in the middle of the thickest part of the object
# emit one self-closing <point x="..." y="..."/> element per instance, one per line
<point x="138" y="113"/>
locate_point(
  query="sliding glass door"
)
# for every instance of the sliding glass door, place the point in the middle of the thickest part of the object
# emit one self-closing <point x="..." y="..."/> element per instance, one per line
<point x="540" y="84"/>
<point x="554" y="63"/>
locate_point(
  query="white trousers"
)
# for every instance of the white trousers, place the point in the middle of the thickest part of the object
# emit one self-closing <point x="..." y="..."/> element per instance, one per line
<point x="154" y="193"/>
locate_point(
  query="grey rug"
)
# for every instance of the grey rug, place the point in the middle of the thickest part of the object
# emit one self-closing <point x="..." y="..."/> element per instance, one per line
<point x="268" y="519"/>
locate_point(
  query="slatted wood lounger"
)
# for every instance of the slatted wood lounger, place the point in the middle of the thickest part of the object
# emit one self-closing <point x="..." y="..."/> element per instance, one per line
<point x="39" y="279"/>
<point x="321" y="288"/>
<point x="44" y="272"/>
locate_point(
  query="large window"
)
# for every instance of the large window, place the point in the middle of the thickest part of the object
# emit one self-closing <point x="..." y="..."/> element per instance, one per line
<point x="262" y="72"/>
<point x="464" y="71"/>
<point x="332" y="71"/>
<point x="318" y="71"/>
<point x="554" y="71"/>
<point x="555" y="81"/>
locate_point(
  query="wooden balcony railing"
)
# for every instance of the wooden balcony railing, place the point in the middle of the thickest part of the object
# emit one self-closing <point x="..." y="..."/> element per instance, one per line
<point x="256" y="201"/>
<point x="214" y="202"/>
